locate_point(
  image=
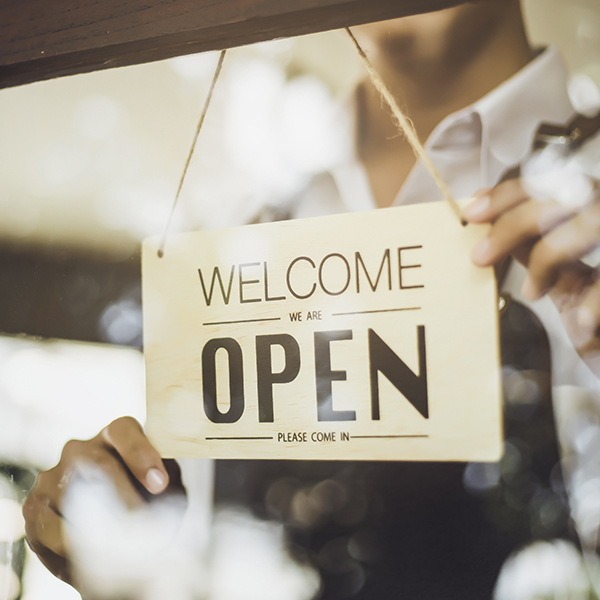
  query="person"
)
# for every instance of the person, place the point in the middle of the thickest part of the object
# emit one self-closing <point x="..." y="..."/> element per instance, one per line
<point x="477" y="92"/>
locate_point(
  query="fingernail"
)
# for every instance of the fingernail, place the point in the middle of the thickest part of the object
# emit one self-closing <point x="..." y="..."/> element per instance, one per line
<point x="585" y="318"/>
<point x="482" y="192"/>
<point x="529" y="290"/>
<point x="480" y="255"/>
<point x="156" y="481"/>
<point x="477" y="208"/>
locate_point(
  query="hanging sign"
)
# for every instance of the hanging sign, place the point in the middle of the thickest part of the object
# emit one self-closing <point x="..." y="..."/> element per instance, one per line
<point x="355" y="336"/>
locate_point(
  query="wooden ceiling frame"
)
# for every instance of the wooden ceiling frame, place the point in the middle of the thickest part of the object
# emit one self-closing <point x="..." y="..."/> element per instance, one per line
<point x="42" y="39"/>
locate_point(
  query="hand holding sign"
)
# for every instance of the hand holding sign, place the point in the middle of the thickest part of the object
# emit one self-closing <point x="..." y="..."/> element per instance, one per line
<point x="549" y="238"/>
<point x="124" y="455"/>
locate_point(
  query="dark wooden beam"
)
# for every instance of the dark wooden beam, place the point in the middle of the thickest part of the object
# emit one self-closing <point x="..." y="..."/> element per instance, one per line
<point x="66" y="293"/>
<point x="42" y="39"/>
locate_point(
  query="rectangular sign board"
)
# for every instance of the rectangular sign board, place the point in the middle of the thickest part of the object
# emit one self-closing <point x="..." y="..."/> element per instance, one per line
<point x="355" y="336"/>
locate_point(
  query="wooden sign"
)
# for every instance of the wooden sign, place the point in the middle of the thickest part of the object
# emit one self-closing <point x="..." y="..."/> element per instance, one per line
<point x="355" y="336"/>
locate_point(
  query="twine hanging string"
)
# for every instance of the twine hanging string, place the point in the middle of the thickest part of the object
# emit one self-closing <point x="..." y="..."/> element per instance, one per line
<point x="163" y="240"/>
<point x="406" y="127"/>
<point x="403" y="123"/>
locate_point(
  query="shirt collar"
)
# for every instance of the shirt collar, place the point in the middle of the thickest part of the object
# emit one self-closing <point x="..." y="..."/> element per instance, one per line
<point x="511" y="114"/>
<point x="502" y="123"/>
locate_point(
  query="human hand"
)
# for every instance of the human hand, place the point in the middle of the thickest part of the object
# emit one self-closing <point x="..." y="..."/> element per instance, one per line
<point x="549" y="238"/>
<point x="123" y="453"/>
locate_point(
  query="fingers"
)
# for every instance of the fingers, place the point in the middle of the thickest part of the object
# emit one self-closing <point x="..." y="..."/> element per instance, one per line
<point x="559" y="248"/>
<point x="527" y="220"/>
<point x="550" y="239"/>
<point x="545" y="236"/>
<point x="43" y="525"/>
<point x="588" y="320"/>
<point x="123" y="455"/>
<point x="103" y="466"/>
<point x="43" y="528"/>
<point x="44" y="506"/>
<point x="57" y="565"/>
<point x="126" y="437"/>
<point x="85" y="460"/>
<point x="577" y="297"/>
<point x="491" y="203"/>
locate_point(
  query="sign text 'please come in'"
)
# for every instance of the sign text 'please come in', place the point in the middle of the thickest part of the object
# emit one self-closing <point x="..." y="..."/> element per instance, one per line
<point x="356" y="336"/>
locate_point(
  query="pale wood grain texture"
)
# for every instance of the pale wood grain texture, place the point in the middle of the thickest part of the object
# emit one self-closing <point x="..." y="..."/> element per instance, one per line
<point x="456" y="311"/>
<point x="41" y="40"/>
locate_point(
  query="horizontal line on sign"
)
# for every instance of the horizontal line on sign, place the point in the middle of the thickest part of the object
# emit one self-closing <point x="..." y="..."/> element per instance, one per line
<point x="238" y="438"/>
<point x="368" y="312"/>
<point x="243" y="321"/>
<point x="367" y="437"/>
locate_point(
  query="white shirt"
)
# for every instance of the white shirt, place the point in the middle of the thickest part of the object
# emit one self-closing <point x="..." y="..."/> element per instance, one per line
<point x="471" y="149"/>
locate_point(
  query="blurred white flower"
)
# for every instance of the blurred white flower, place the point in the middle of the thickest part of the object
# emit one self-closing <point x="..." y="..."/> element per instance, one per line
<point x="549" y="175"/>
<point x="249" y="561"/>
<point x="139" y="554"/>
<point x="584" y="94"/>
<point x="543" y="570"/>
